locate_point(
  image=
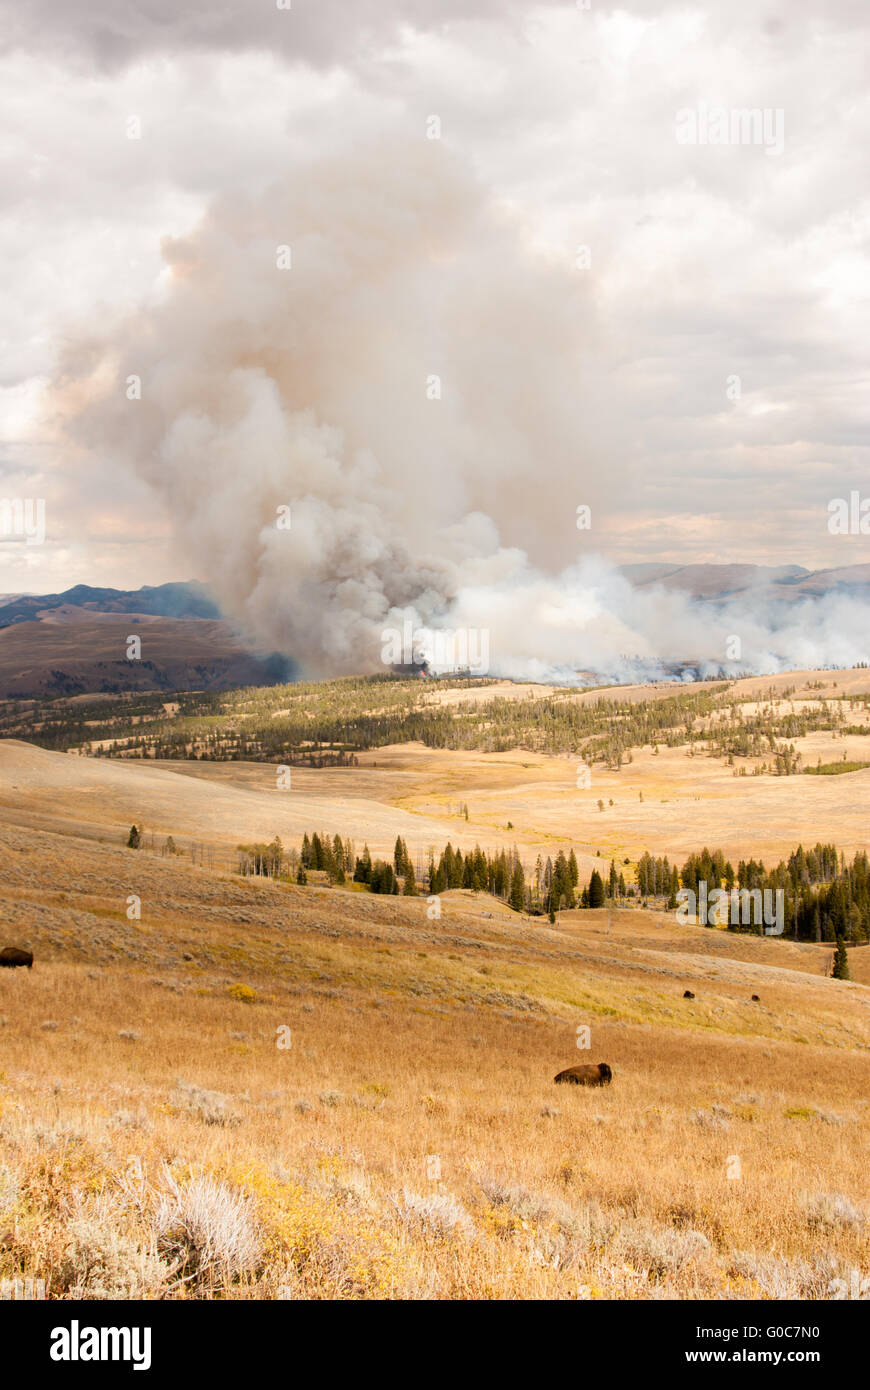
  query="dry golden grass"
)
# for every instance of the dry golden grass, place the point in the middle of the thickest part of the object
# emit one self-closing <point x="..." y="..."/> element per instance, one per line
<point x="155" y="1140"/>
<point x="419" y="793"/>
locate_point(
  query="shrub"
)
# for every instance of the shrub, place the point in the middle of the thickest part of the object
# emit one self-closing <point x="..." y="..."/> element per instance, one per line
<point x="661" y="1250"/>
<point x="101" y="1261"/>
<point x="209" y="1106"/>
<point x="243" y="993"/>
<point x="9" y="1188"/>
<point x="833" y="1209"/>
<point x="207" y="1230"/>
<point x="438" y="1214"/>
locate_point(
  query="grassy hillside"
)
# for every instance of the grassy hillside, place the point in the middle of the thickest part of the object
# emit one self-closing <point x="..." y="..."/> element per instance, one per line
<point x="409" y="1141"/>
<point x="216" y="1086"/>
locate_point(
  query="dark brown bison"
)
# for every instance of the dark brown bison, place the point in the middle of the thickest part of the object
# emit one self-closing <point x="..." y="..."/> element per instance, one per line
<point x="13" y="955"/>
<point x="590" y="1075"/>
<point x="756" y="999"/>
<point x="687" y="994"/>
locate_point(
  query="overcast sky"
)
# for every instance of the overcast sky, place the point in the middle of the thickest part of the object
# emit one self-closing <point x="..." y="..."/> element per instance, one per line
<point x="699" y="374"/>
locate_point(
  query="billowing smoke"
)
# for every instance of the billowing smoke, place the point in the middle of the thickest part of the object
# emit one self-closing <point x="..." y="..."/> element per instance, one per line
<point x="368" y="402"/>
<point x="590" y="620"/>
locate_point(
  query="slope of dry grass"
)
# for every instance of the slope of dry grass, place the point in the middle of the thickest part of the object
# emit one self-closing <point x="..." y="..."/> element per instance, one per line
<point x="155" y="1139"/>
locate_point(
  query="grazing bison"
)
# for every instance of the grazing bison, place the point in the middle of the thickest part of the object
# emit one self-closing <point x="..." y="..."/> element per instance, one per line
<point x="599" y="1075"/>
<point x="756" y="999"/>
<point x="13" y="955"/>
<point x="687" y="994"/>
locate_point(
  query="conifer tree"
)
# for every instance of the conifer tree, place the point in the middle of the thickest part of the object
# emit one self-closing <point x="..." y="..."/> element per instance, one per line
<point x="518" y="888"/>
<point x="363" y="871"/>
<point x="596" y="890"/>
<point x="841" y="961"/>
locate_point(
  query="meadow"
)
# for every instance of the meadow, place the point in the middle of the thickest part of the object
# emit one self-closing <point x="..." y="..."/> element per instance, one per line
<point x="225" y="1087"/>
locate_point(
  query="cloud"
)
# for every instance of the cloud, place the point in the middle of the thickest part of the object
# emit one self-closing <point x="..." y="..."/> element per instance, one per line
<point x="115" y="33"/>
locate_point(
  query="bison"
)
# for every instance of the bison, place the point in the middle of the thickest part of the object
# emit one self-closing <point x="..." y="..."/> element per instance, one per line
<point x="687" y="994"/>
<point x="756" y="999"/>
<point x="13" y="955"/>
<point x="590" y="1075"/>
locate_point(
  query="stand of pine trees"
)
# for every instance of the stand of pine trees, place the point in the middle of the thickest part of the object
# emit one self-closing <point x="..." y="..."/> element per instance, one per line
<point x="824" y="898"/>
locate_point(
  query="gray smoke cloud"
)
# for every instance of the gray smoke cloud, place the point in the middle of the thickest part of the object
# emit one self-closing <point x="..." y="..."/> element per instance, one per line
<point x="418" y="385"/>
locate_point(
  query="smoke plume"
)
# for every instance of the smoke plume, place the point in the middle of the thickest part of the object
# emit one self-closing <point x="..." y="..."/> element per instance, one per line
<point x="366" y="399"/>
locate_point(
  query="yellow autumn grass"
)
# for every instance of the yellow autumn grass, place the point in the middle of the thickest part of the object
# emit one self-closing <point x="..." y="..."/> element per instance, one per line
<point x="259" y="1091"/>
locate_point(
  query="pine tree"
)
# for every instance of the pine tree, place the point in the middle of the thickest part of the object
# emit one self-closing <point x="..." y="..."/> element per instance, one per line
<point x="518" y="888"/>
<point x="596" y="890"/>
<point x="134" y="839"/>
<point x="841" y="961"/>
<point x="363" y="871"/>
<point x="457" y="874"/>
<point x="563" y="891"/>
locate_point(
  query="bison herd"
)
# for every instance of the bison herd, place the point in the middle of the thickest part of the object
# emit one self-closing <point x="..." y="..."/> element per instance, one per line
<point x="597" y="1074"/>
<point x="13" y="955"/>
<point x="600" y="1074"/>
<point x="687" y="994"/>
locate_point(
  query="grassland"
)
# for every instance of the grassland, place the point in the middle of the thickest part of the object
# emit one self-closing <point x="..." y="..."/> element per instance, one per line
<point x="253" y="1089"/>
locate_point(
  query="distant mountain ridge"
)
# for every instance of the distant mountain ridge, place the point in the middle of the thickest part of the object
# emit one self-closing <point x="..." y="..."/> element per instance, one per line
<point x="715" y="583"/>
<point x="75" y="642"/>
<point x="178" y="600"/>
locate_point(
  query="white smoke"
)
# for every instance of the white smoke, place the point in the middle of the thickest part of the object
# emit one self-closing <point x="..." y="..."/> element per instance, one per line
<point x="315" y="388"/>
<point x="591" y="620"/>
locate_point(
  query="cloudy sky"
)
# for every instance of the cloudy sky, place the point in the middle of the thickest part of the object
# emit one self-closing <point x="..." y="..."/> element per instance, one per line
<point x="671" y="333"/>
